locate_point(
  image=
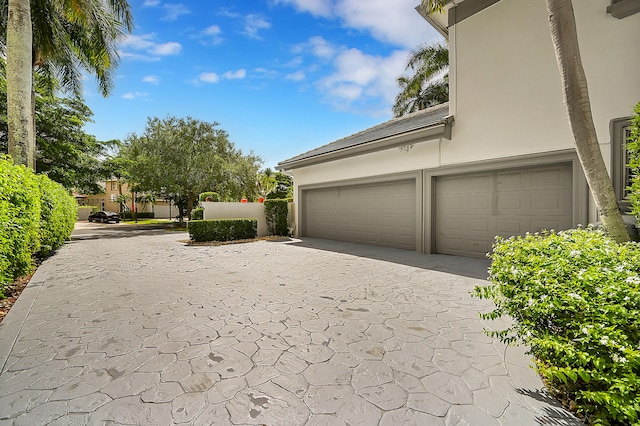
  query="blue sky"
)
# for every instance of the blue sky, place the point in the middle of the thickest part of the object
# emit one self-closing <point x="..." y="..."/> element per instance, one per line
<point x="280" y="76"/>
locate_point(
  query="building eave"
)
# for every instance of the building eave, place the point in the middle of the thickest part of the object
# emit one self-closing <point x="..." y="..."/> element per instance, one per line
<point x="441" y="130"/>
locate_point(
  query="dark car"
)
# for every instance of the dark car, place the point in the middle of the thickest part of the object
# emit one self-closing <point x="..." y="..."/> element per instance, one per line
<point x="104" y="217"/>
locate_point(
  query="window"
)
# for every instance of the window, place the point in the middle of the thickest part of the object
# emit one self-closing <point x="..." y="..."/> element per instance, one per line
<point x="620" y="133"/>
<point x="114" y="185"/>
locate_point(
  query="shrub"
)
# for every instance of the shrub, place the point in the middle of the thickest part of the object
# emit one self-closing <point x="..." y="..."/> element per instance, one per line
<point x="37" y="216"/>
<point x="633" y="147"/>
<point x="197" y="214"/>
<point x="58" y="215"/>
<point x="277" y="216"/>
<point x="575" y="300"/>
<point x="223" y="229"/>
<point x="19" y="220"/>
<point x="212" y="196"/>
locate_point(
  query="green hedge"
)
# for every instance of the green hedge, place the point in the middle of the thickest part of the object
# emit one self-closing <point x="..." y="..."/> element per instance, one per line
<point x="36" y="217"/>
<point x="575" y="299"/>
<point x="197" y="214"/>
<point x="277" y="216"/>
<point x="223" y="229"/>
<point x="139" y="215"/>
<point x="58" y="215"/>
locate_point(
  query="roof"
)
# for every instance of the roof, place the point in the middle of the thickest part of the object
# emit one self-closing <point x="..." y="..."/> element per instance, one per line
<point x="427" y="124"/>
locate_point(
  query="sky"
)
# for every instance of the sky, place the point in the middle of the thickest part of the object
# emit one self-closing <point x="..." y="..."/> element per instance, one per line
<point x="281" y="77"/>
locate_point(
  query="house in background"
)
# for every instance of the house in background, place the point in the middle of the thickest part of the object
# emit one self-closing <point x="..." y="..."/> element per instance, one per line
<point x="108" y="200"/>
<point x="499" y="158"/>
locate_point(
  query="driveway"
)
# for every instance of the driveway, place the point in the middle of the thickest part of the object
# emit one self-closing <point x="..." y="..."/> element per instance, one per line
<point x="142" y="329"/>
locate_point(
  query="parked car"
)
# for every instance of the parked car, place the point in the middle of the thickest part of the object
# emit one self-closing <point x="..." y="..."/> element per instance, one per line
<point x="104" y="217"/>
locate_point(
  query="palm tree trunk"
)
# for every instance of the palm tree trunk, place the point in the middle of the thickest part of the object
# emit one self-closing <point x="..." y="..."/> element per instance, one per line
<point x="20" y="119"/>
<point x="576" y="98"/>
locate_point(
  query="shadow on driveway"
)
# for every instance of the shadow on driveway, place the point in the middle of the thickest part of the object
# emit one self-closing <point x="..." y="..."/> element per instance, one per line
<point x="464" y="266"/>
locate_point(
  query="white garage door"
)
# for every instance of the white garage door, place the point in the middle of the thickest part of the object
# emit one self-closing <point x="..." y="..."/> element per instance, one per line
<point x="470" y="210"/>
<point x="382" y="214"/>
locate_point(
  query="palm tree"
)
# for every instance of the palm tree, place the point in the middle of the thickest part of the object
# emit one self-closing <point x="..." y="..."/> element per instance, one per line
<point x="20" y="116"/>
<point x="564" y="33"/>
<point x="426" y="86"/>
<point x="68" y="36"/>
<point x="562" y="23"/>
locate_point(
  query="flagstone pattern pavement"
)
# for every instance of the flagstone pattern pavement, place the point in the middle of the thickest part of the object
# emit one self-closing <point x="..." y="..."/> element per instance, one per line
<point x="145" y="330"/>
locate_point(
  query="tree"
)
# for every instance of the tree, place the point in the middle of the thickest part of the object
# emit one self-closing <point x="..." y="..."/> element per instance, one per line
<point x="59" y="39"/>
<point x="284" y="188"/>
<point x="64" y="152"/>
<point x="427" y="85"/>
<point x="266" y="182"/>
<point x="184" y="157"/>
<point x="20" y="116"/>
<point x="563" y="29"/>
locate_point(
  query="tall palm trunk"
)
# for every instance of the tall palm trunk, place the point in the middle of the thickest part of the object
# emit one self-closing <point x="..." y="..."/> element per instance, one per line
<point x="562" y="23"/>
<point x="20" y="118"/>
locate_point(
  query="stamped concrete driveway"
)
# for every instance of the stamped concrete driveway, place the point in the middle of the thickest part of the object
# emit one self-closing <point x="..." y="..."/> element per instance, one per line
<point x="143" y="329"/>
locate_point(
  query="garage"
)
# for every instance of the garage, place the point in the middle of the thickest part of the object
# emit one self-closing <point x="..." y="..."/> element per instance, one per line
<point x="382" y="214"/>
<point x="471" y="209"/>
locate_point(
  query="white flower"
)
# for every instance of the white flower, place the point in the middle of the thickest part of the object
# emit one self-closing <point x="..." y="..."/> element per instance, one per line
<point x="585" y="330"/>
<point x="574" y="253"/>
<point x="575" y="296"/>
<point x="618" y="358"/>
<point x="604" y="340"/>
<point x="633" y="280"/>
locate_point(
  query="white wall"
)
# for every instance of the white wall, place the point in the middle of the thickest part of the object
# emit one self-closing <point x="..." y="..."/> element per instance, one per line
<point x="219" y="210"/>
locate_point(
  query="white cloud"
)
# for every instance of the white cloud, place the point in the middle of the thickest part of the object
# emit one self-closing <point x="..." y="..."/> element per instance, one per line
<point x="253" y="24"/>
<point x="265" y="73"/>
<point x="174" y="11"/>
<point x="209" y="77"/>
<point x="360" y="79"/>
<point x="167" y="49"/>
<point x="235" y="75"/>
<point x="212" y="77"/>
<point x="394" y="22"/>
<point x="212" y="30"/>
<point x="144" y="47"/>
<point x="134" y="95"/>
<point x="315" y="7"/>
<point x="296" y="76"/>
<point x="151" y="79"/>
<point x="151" y="3"/>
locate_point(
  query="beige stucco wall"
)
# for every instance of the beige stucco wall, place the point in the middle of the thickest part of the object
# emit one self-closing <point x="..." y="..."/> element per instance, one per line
<point x="220" y="210"/>
<point x="506" y="92"/>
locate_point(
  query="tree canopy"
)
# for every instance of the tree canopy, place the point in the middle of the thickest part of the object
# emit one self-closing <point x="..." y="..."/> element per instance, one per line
<point x="428" y="83"/>
<point x="186" y="156"/>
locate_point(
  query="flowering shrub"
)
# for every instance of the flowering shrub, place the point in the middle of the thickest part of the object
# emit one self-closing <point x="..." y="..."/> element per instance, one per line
<point x="575" y="300"/>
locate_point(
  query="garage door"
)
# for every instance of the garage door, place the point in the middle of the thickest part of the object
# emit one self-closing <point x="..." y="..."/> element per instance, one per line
<point x="382" y="214"/>
<point x="470" y="210"/>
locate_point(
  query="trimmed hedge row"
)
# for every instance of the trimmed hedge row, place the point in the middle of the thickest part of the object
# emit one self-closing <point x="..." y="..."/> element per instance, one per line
<point x="139" y="215"/>
<point x="223" y="229"/>
<point x="37" y="216"/>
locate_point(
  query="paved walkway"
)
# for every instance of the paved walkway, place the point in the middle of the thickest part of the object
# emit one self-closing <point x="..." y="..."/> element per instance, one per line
<point x="145" y="330"/>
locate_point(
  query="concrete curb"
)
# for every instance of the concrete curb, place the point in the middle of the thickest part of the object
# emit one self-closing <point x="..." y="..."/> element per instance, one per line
<point x="13" y="322"/>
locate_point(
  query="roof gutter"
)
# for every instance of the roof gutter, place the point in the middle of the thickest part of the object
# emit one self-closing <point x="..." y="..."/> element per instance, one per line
<point x="440" y="130"/>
